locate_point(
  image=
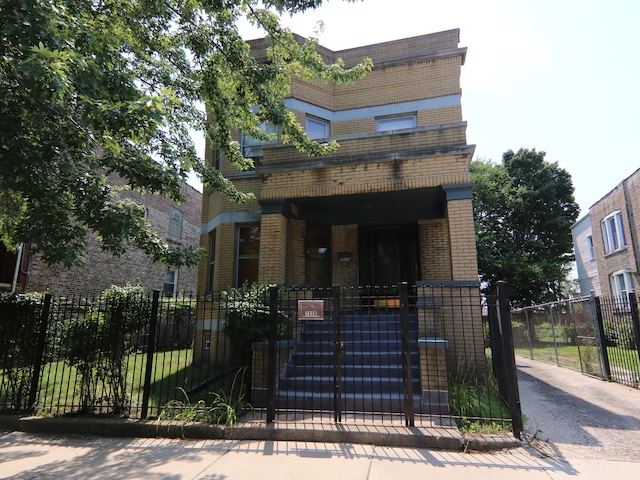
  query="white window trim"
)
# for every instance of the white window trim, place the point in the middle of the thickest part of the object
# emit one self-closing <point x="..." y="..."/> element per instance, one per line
<point x="319" y="122"/>
<point x="389" y="123"/>
<point x="613" y="235"/>
<point x="174" y="273"/>
<point x="176" y="224"/>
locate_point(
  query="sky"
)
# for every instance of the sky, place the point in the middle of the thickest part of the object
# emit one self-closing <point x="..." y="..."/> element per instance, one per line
<point x="560" y="76"/>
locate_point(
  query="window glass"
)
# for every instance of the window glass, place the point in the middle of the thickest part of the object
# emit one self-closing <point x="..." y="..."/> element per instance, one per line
<point x="613" y="232"/>
<point x="248" y="238"/>
<point x="384" y="124"/>
<point x="175" y="224"/>
<point x="317" y="128"/>
<point x="592" y="254"/>
<point x="170" y="280"/>
<point x="212" y="260"/>
<point x="252" y="147"/>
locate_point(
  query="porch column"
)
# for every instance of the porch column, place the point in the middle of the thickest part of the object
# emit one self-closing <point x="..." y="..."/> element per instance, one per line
<point x="273" y="244"/>
<point x="464" y="257"/>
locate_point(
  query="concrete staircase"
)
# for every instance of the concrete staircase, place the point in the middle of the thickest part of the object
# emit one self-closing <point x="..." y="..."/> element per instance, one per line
<point x="371" y="368"/>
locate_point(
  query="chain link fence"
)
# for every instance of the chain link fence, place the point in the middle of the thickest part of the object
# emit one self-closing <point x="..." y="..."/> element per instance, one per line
<point x="595" y="335"/>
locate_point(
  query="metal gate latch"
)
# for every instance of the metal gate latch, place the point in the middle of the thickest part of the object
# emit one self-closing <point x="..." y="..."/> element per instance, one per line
<point x="339" y="349"/>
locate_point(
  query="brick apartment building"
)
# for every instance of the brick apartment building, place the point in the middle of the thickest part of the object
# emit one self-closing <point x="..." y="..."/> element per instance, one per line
<point x="180" y="224"/>
<point x="612" y="247"/>
<point x="392" y="204"/>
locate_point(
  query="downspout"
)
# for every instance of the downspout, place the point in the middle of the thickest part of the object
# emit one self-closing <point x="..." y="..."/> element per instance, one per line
<point x="16" y="270"/>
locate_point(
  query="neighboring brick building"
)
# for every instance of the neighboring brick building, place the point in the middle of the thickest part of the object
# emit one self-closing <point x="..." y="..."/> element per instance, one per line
<point x="392" y="204"/>
<point x="180" y="224"/>
<point x="616" y="237"/>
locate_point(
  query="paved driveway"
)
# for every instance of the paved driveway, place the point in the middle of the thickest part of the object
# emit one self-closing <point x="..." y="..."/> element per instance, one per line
<point x="573" y="415"/>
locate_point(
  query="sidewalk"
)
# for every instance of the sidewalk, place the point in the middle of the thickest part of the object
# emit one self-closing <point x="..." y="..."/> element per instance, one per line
<point x="29" y="456"/>
<point x="580" y="427"/>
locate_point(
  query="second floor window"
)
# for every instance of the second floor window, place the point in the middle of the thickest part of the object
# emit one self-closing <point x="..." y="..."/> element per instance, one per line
<point x="175" y="224"/>
<point x="396" y="122"/>
<point x="613" y="232"/>
<point x="252" y="147"/>
<point x="317" y="128"/>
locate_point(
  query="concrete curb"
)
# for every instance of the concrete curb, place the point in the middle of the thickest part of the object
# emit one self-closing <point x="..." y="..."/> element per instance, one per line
<point x="403" y="438"/>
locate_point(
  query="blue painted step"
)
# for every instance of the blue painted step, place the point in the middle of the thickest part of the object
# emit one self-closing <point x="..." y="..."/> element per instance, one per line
<point x="371" y="369"/>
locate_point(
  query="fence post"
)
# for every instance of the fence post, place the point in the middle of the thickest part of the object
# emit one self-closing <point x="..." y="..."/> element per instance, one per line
<point x="151" y="343"/>
<point x="409" y="408"/>
<point x="42" y="338"/>
<point x="338" y="353"/>
<point x="635" y="320"/>
<point x="508" y="358"/>
<point x="271" y="361"/>
<point x="553" y="334"/>
<point x="602" y="340"/>
<point x="531" y="332"/>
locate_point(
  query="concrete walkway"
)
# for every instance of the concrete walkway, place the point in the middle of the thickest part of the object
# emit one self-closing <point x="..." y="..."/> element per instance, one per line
<point x="571" y="432"/>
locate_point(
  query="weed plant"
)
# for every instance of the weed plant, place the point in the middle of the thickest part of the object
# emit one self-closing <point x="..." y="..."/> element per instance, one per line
<point x="225" y="408"/>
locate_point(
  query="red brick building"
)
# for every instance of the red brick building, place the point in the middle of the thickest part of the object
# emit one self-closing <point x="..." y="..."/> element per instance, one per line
<point x="179" y="223"/>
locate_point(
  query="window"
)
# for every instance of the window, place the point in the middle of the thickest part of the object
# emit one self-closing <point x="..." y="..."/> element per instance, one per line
<point x="252" y="147"/>
<point x="317" y="128"/>
<point x="170" y="282"/>
<point x="613" y="232"/>
<point x="212" y="260"/>
<point x="216" y="154"/>
<point x="248" y="251"/>
<point x="592" y="253"/>
<point x="175" y="224"/>
<point x="621" y="286"/>
<point x="385" y="124"/>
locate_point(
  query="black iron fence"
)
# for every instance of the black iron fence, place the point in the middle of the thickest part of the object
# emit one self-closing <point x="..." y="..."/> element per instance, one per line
<point x="597" y="335"/>
<point x="415" y="355"/>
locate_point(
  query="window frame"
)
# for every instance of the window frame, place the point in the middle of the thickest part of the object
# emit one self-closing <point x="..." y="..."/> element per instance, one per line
<point x="243" y="257"/>
<point x="174" y="232"/>
<point x="211" y="260"/>
<point x="252" y="147"/>
<point x="591" y="248"/>
<point x="391" y="119"/>
<point x="319" y="122"/>
<point x="613" y="236"/>
<point x="173" y="272"/>
<point x="621" y="292"/>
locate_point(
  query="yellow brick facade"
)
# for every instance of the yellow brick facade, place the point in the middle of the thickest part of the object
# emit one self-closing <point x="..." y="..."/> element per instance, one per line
<point x="410" y="184"/>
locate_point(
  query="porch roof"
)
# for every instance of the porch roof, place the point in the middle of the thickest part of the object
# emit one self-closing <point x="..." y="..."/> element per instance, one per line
<point x="376" y="208"/>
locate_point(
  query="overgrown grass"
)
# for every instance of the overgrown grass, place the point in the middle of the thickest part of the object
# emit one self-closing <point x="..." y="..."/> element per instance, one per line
<point x="225" y="408"/>
<point x="478" y="408"/>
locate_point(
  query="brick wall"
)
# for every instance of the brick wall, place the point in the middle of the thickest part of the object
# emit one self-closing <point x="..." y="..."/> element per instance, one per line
<point x="625" y="198"/>
<point x="101" y="270"/>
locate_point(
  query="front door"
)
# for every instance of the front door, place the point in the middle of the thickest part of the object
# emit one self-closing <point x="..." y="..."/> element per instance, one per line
<point x="388" y="255"/>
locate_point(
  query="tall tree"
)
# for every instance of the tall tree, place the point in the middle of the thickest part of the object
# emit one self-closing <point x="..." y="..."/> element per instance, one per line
<point x="524" y="208"/>
<point x="94" y="87"/>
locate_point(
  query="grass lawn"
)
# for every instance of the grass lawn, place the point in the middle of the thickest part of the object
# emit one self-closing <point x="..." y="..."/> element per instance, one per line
<point x="172" y="372"/>
<point x="620" y="359"/>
